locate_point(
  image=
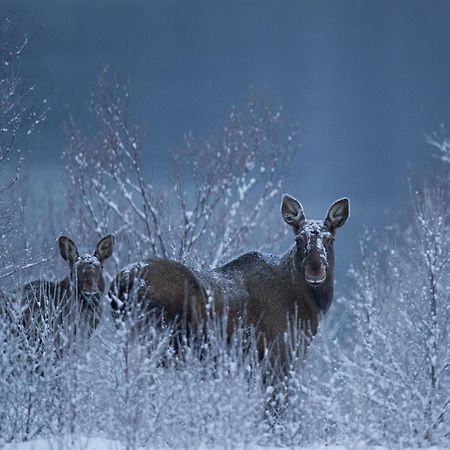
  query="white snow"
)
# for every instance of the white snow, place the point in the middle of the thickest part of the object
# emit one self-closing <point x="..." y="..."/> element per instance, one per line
<point x="87" y="259"/>
<point x="315" y="228"/>
<point x="83" y="443"/>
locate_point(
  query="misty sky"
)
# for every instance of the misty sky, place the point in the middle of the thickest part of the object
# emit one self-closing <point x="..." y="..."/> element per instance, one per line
<point x="366" y="80"/>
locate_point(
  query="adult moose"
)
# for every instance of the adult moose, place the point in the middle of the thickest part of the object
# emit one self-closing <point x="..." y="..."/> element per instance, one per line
<point x="262" y="290"/>
<point x="74" y="303"/>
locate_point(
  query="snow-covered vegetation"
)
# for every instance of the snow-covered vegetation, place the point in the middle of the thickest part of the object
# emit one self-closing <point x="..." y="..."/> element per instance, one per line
<point x="378" y="372"/>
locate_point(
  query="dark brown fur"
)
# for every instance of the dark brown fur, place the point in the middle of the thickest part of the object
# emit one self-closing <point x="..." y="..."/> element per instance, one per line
<point x="74" y="301"/>
<point x="264" y="291"/>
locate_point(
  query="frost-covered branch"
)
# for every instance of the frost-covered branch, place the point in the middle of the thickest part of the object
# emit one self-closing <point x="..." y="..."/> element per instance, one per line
<point x="219" y="191"/>
<point x="20" y="114"/>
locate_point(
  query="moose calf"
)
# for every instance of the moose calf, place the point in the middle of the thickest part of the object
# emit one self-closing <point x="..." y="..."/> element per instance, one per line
<point x="73" y="303"/>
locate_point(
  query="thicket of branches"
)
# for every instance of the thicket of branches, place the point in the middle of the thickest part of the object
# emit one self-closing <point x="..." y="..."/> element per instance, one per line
<point x="141" y="394"/>
<point x="20" y="114"/>
<point x="378" y="371"/>
<point x="378" y="375"/>
<point x="218" y="194"/>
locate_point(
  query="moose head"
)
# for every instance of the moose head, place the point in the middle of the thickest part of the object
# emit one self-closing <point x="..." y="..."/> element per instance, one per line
<point x="313" y="252"/>
<point x="86" y="271"/>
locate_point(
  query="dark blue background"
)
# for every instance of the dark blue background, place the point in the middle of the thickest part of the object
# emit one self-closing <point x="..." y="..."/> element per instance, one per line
<point x="366" y="80"/>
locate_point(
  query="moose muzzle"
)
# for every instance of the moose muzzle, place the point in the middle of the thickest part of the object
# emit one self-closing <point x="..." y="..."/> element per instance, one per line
<point x="315" y="274"/>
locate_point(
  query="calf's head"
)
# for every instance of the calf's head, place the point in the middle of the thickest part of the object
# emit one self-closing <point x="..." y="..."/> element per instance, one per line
<point x="86" y="271"/>
<point x="313" y="252"/>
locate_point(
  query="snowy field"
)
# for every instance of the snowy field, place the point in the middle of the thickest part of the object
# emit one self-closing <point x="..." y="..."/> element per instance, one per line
<point x="105" y="444"/>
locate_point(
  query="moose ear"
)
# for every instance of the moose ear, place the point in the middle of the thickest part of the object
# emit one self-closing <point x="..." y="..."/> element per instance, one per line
<point x="68" y="249"/>
<point x="337" y="214"/>
<point x="105" y="247"/>
<point x="292" y="211"/>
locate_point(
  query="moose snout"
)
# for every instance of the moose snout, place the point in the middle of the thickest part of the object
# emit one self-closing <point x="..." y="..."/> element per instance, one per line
<point x="315" y="273"/>
<point x="90" y="287"/>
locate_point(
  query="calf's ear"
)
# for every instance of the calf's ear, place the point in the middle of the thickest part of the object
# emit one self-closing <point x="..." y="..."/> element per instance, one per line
<point x="68" y="249"/>
<point x="292" y="211"/>
<point x="337" y="214"/>
<point x="105" y="247"/>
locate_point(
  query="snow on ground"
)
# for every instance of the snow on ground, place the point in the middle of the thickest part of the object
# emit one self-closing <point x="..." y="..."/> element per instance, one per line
<point x="81" y="443"/>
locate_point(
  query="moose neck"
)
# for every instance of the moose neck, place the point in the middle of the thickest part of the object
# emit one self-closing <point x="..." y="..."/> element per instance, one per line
<point x="294" y="274"/>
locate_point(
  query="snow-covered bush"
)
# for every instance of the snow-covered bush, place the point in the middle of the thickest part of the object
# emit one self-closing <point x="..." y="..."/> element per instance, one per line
<point x="140" y="392"/>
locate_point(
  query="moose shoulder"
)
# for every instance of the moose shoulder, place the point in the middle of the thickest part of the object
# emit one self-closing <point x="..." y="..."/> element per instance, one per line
<point x="265" y="290"/>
